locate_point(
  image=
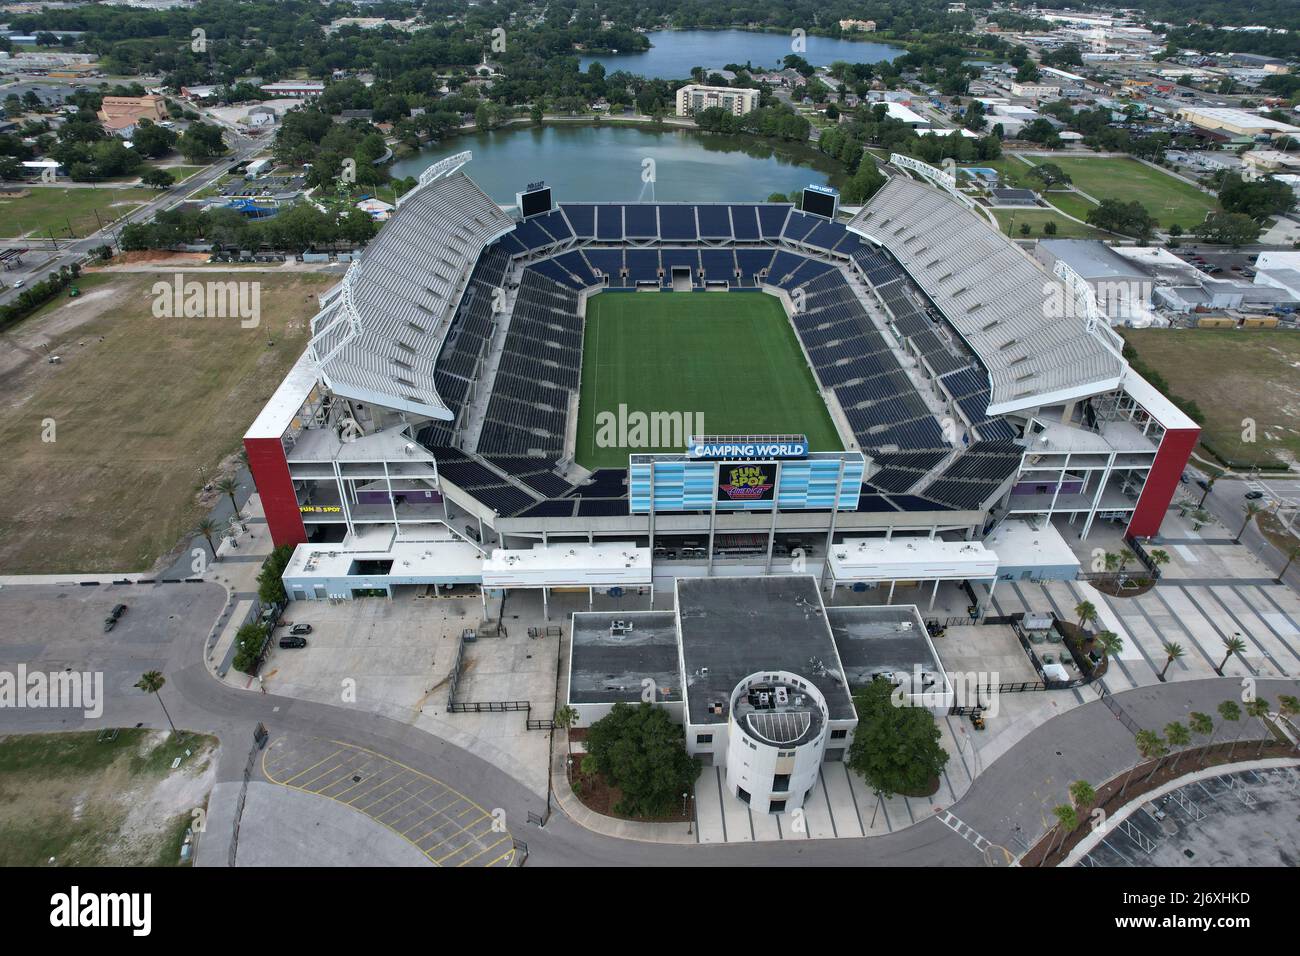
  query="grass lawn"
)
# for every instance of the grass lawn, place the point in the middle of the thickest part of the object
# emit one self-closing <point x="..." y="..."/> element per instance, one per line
<point x="142" y="407"/>
<point x="53" y="208"/>
<point x="87" y="802"/>
<point x="732" y="357"/>
<point x="1232" y="375"/>
<point x="1168" y="199"/>
<point x="1065" y="228"/>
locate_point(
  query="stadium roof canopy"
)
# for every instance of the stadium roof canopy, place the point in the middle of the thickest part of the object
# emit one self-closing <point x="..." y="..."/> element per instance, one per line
<point x="994" y="294"/>
<point x="378" y="336"/>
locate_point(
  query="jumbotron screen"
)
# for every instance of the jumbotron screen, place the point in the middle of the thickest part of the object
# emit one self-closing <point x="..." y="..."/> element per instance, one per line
<point x="535" y="203"/>
<point x="820" y="203"/>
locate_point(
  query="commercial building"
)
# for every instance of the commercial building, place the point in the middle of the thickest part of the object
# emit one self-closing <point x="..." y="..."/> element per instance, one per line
<point x="693" y="98"/>
<point x="122" y="114"/>
<point x="1235" y="122"/>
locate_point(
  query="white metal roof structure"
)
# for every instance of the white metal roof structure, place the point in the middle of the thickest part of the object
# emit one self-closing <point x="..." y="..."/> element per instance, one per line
<point x="377" y="339"/>
<point x="994" y="295"/>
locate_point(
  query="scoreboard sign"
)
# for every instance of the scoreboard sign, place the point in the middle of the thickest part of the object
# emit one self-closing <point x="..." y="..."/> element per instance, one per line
<point x="794" y="447"/>
<point x="747" y="481"/>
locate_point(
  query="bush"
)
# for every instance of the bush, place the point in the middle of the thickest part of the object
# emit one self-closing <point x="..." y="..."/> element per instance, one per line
<point x="643" y="753"/>
<point x="249" y="641"/>
<point x="270" y="589"/>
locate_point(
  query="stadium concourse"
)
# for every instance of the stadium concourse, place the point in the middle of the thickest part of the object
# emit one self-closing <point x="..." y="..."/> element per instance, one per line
<point x="427" y="435"/>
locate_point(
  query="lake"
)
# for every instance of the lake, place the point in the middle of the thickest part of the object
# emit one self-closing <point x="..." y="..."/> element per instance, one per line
<point x="675" y="52"/>
<point x="593" y="163"/>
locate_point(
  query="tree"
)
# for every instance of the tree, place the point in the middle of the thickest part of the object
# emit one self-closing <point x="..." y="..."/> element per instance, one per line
<point x="1152" y="747"/>
<point x="270" y="586"/>
<point x="151" y="682"/>
<point x="1050" y="174"/>
<point x="157" y="178"/>
<point x="1230" y="713"/>
<point x="1209" y="486"/>
<point x="201" y="142"/>
<point x="1130" y="219"/>
<point x="1232" y="645"/>
<point x="1229" y="229"/>
<point x="1082" y="794"/>
<point x="1067" y="819"/>
<point x="1252" y="509"/>
<point x="643" y="753"/>
<point x="1178" y="736"/>
<point x="1255" y="198"/>
<point x="1110" y="643"/>
<point x="249" y="641"/>
<point x="895" y="749"/>
<point x="1086" y="611"/>
<point x="565" y="718"/>
<point x="1049" y="227"/>
<point x="1173" y="651"/>
<point x="207" y="527"/>
<point x="1202" y="725"/>
<point x="227" y="486"/>
<point x="1258" y="708"/>
<point x="1159" y="557"/>
<point x="1292" y="553"/>
<point x="1288" y="706"/>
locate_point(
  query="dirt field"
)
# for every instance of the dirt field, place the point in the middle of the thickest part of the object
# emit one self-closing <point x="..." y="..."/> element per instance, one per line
<point x="142" y="408"/>
<point x="79" y="801"/>
<point x="1237" y="377"/>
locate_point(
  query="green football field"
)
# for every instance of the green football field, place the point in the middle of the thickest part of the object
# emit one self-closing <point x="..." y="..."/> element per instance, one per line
<point x="729" y="357"/>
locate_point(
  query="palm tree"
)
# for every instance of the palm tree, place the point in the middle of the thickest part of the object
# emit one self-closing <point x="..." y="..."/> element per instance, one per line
<point x="1202" y="725"/>
<point x="151" y="682"/>
<point x="1288" y="706"/>
<point x="1150" y="746"/>
<point x="1258" y="708"/>
<point x="1178" y="736"/>
<point x="207" y="527"/>
<point x="565" y="718"/>
<point x="1291" y="555"/>
<point x="1233" y="645"/>
<point x="1112" y="561"/>
<point x="1110" y="643"/>
<point x="1252" y="509"/>
<point x="1067" y="819"/>
<point x="1231" y="713"/>
<point x="1173" y="651"/>
<point x="1159" y="557"/>
<point x="228" y="486"/>
<point x="1087" y="613"/>
<point x="1082" y="794"/>
<point x="1208" y="485"/>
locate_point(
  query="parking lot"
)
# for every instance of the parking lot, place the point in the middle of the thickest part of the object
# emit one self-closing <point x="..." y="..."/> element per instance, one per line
<point x="445" y="826"/>
<point x="395" y="658"/>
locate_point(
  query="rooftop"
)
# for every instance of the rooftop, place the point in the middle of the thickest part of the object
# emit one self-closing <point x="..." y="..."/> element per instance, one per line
<point x="731" y="628"/>
<point x="878" y="641"/>
<point x="609" y="662"/>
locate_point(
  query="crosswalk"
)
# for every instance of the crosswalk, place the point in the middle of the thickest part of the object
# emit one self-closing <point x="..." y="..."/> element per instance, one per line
<point x="1198" y="616"/>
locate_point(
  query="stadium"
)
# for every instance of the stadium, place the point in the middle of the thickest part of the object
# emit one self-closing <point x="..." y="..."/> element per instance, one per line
<point x="597" y="396"/>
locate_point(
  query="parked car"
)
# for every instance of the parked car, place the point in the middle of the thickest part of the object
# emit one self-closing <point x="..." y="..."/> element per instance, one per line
<point x="118" y="611"/>
<point x="300" y="630"/>
<point x="1254" y="495"/>
<point x="290" y="641"/>
<point x="110" y="622"/>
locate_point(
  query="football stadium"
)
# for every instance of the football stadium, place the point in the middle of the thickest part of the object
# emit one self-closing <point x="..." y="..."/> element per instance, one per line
<point x="606" y="396"/>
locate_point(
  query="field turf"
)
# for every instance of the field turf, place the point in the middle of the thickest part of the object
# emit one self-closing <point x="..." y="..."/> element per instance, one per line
<point x="732" y="357"/>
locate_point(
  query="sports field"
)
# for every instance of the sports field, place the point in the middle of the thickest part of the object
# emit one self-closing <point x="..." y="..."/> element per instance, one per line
<point x="730" y="357"/>
<point x="1169" y="199"/>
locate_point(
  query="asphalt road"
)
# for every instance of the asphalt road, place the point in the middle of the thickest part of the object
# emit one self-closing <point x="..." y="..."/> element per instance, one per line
<point x="166" y="626"/>
<point x="74" y="250"/>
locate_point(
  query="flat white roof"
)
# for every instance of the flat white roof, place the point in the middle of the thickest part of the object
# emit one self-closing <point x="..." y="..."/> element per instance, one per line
<point x="900" y="112"/>
<point x="278" y="413"/>
<point x="910" y="559"/>
<point x="433" y="559"/>
<point x="1025" y="546"/>
<point x="568" y="565"/>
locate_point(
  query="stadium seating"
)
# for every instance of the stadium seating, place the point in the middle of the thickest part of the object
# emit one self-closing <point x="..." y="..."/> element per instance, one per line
<point x="714" y="221"/>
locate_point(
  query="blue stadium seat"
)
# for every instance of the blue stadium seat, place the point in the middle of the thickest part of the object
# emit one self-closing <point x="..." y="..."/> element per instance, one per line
<point x="573" y="263"/>
<point x="641" y="221"/>
<point x="642" y="265"/>
<point x="798" y="225"/>
<point x="714" y="221"/>
<point x="582" y="218"/>
<point x="750" y="262"/>
<point x="718" y="264"/>
<point x="677" y="223"/>
<point x="608" y="261"/>
<point x="688" y="258"/>
<point x="744" y="222"/>
<point x="609" y="222"/>
<point x="532" y="235"/>
<point x="771" y="218"/>
<point x="825" y="235"/>
<point x="555" y="224"/>
<point x="783" y="264"/>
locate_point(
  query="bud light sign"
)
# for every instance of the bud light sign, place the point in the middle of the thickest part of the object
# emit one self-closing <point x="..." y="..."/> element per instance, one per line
<point x="747" y="481"/>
